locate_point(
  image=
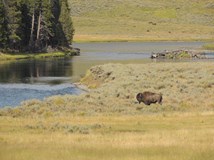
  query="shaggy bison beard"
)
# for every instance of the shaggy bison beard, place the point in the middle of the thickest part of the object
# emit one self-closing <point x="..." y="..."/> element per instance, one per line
<point x="148" y="97"/>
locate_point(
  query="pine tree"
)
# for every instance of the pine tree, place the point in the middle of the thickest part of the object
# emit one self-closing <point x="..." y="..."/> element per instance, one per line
<point x="4" y="37"/>
<point x="13" y="15"/>
<point x="66" y="23"/>
<point x="33" y="25"/>
<point x="30" y="5"/>
<point x="45" y="28"/>
<point x="62" y="23"/>
<point x="25" y="31"/>
<point x="56" y="28"/>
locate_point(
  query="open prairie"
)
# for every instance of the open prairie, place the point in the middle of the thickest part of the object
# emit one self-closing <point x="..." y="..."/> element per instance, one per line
<point x="137" y="20"/>
<point x="108" y="123"/>
<point x="151" y="137"/>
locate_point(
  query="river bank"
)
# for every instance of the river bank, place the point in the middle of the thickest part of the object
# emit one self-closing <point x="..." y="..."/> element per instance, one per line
<point x="85" y="38"/>
<point x="107" y="122"/>
<point x="209" y="46"/>
<point x="19" y="56"/>
<point x="185" y="87"/>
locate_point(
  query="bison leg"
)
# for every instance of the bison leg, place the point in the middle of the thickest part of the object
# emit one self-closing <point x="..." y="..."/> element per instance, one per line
<point x="160" y="101"/>
<point x="147" y="103"/>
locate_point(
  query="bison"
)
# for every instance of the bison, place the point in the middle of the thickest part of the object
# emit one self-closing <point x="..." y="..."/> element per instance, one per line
<point x="148" y="97"/>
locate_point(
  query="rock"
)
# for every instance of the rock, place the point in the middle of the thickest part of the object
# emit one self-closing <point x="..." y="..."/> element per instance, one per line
<point x="178" y="54"/>
<point x="77" y="51"/>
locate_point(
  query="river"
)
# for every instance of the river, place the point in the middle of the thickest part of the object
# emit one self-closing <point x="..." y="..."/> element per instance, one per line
<point x="37" y="79"/>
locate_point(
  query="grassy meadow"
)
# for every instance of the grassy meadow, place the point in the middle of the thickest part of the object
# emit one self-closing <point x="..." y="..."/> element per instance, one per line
<point x="150" y="137"/>
<point x="137" y="20"/>
<point x="107" y="122"/>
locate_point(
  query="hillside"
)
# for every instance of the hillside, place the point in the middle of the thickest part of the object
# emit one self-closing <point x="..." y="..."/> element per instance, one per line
<point x="113" y="20"/>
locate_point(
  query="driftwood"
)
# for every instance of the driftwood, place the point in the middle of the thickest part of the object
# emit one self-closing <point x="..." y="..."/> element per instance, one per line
<point x="178" y="54"/>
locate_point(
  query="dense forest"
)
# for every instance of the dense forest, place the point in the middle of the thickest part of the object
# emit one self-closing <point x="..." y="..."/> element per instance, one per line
<point x="35" y="25"/>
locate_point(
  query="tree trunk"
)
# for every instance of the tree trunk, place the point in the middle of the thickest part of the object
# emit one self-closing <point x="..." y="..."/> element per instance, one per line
<point x="38" y="31"/>
<point x="39" y="26"/>
<point x="4" y="3"/>
<point x="32" y="29"/>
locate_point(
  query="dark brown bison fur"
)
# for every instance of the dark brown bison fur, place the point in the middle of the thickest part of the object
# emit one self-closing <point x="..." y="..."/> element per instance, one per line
<point x="148" y="97"/>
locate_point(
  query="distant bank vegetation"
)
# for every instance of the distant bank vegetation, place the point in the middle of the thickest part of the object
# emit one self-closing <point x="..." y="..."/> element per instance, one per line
<point x="209" y="46"/>
<point x="35" y="26"/>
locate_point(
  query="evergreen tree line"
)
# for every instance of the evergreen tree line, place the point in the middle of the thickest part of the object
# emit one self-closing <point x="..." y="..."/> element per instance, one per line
<point x="34" y="25"/>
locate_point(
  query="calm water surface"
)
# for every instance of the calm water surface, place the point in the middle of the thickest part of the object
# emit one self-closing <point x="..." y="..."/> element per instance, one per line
<point x="30" y="79"/>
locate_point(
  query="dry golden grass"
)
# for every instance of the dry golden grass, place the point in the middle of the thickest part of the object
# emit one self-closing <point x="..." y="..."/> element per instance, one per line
<point x="155" y="36"/>
<point x="137" y="20"/>
<point x="108" y="123"/>
<point x="174" y="137"/>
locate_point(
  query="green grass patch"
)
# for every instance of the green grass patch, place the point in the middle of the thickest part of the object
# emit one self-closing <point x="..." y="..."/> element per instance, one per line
<point x="10" y="56"/>
<point x="209" y="46"/>
<point x="165" y="13"/>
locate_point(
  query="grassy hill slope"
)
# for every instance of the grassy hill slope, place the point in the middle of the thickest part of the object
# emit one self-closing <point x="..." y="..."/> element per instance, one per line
<point x="118" y="20"/>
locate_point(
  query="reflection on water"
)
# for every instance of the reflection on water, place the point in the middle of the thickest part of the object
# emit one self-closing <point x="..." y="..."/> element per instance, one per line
<point x="56" y="71"/>
<point x="124" y="52"/>
<point x="35" y="79"/>
<point x="14" y="94"/>
<point x="135" y="47"/>
<point x="210" y="55"/>
<point x="28" y="71"/>
<point x="52" y="73"/>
